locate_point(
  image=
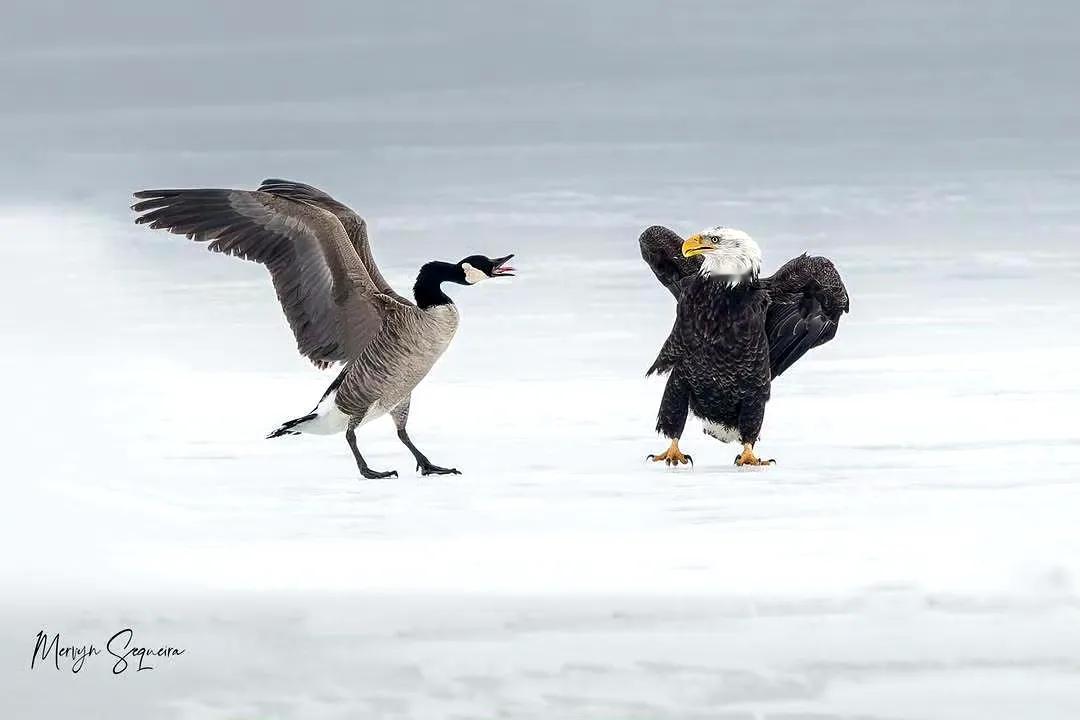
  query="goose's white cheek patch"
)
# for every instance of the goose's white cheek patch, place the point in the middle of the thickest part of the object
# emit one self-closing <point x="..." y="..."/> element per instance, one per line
<point x="472" y="275"/>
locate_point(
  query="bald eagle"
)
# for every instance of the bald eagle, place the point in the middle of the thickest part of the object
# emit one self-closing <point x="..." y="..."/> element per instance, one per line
<point x="734" y="332"/>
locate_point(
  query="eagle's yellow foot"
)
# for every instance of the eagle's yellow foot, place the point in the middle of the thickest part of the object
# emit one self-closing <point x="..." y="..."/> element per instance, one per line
<point x="672" y="456"/>
<point x="749" y="458"/>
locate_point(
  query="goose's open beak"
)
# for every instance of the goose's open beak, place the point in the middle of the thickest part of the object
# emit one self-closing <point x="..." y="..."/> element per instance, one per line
<point x="501" y="268"/>
<point x="695" y="245"/>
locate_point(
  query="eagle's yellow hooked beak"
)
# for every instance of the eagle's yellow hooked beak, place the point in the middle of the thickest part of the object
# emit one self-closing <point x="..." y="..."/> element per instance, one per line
<point x="695" y="245"/>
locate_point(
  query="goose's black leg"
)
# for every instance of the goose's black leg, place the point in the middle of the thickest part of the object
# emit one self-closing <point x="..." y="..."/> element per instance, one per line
<point x="367" y="472"/>
<point x="425" y="466"/>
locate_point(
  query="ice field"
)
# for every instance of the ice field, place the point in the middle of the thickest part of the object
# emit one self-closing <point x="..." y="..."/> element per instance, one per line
<point x="915" y="553"/>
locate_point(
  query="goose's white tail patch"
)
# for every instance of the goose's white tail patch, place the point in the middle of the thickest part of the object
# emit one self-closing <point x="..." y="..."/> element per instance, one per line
<point x="328" y="420"/>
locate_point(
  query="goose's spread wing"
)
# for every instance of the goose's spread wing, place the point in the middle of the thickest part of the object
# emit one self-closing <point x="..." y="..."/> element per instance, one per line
<point x="330" y="300"/>
<point x="806" y="299"/>
<point x="354" y="224"/>
<point x="661" y="249"/>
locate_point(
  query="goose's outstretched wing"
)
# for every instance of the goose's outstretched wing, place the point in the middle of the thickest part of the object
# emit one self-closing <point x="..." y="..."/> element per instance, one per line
<point x="661" y="249"/>
<point x="806" y="299"/>
<point x="330" y="300"/>
<point x="354" y="224"/>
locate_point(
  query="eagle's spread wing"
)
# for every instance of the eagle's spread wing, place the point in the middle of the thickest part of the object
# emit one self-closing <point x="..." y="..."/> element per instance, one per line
<point x="807" y="298"/>
<point x="661" y="249"/>
<point x="325" y="289"/>
<point x="354" y="224"/>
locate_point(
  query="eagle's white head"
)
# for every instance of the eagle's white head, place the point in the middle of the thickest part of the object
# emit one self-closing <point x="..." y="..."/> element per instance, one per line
<point x="725" y="251"/>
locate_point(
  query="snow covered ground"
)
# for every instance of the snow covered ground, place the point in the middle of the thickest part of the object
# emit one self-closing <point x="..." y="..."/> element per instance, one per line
<point x="914" y="553"/>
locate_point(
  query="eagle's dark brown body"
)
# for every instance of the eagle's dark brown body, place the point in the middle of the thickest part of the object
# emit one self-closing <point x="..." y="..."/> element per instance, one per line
<point x="718" y="358"/>
<point x="732" y="336"/>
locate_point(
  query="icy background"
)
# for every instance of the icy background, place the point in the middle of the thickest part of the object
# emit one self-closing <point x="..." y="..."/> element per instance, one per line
<point x="914" y="554"/>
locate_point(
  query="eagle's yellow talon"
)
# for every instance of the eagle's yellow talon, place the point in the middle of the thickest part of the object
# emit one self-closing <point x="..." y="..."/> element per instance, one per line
<point x="672" y="456"/>
<point x="749" y="458"/>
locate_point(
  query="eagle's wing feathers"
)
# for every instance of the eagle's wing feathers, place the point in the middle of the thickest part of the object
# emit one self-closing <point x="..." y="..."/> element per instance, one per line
<point x="667" y="357"/>
<point x="806" y="299"/>
<point x="321" y="281"/>
<point x="661" y="249"/>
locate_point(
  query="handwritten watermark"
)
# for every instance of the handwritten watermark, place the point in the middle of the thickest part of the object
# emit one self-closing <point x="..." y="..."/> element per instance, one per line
<point x="120" y="649"/>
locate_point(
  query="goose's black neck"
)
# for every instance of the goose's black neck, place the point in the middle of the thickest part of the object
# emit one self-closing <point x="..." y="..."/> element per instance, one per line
<point x="428" y="289"/>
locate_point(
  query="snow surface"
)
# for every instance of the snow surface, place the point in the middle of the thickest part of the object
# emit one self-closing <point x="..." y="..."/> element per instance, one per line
<point x="913" y="554"/>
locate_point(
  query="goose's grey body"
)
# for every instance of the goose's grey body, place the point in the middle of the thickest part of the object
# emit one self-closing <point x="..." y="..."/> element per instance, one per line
<point x="338" y="304"/>
<point x="383" y="377"/>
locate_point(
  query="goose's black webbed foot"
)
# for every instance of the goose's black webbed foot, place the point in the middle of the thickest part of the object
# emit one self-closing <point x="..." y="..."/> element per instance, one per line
<point x="376" y="475"/>
<point x="430" y="469"/>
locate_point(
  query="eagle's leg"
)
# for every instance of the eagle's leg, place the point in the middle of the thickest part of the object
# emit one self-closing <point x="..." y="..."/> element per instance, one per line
<point x="751" y="416"/>
<point x="671" y="420"/>
<point x="747" y="457"/>
<point x="425" y="466"/>
<point x="350" y="436"/>
<point x="672" y="456"/>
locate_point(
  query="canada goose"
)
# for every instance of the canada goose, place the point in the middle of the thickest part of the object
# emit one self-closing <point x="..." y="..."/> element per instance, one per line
<point x="734" y="333"/>
<point x="338" y="304"/>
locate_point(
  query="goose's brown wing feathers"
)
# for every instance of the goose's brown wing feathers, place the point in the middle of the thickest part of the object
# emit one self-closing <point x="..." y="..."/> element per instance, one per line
<point x="325" y="289"/>
<point x="354" y="225"/>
